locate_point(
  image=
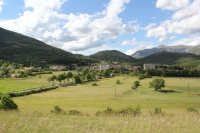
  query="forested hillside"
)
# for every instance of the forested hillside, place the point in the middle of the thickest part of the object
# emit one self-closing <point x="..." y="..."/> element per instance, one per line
<point x="16" y="47"/>
<point x="181" y="59"/>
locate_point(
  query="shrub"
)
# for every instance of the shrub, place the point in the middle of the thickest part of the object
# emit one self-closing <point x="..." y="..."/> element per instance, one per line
<point x="125" y="112"/>
<point x="136" y="84"/>
<point x="7" y="103"/>
<point x="118" y="81"/>
<point x="94" y="84"/>
<point x="137" y="111"/>
<point x="191" y="109"/>
<point x="57" y="109"/>
<point x="141" y="76"/>
<point x="75" y="112"/>
<point x="157" y="111"/>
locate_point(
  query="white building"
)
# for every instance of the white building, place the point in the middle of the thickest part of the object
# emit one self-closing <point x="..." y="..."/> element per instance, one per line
<point x="149" y="66"/>
<point x="104" y="66"/>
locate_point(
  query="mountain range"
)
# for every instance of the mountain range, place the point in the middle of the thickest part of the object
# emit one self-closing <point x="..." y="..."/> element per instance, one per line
<point x="173" y="49"/>
<point x="15" y="47"/>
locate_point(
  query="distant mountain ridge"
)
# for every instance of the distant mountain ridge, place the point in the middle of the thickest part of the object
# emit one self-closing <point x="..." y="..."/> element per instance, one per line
<point x="169" y="58"/>
<point x="113" y="56"/>
<point x="173" y="49"/>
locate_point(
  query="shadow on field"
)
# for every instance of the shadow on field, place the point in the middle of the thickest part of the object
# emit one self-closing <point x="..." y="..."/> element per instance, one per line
<point x="169" y="91"/>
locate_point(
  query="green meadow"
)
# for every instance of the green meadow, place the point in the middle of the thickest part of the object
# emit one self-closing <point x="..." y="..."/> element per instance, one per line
<point x="34" y="110"/>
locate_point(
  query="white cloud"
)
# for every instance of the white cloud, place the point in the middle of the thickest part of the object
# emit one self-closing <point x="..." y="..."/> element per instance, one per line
<point x="145" y="45"/>
<point x="192" y="10"/>
<point x="71" y="32"/>
<point x="150" y="26"/>
<point x="184" y="21"/>
<point x="171" y="4"/>
<point x="1" y="4"/>
<point x="129" y="42"/>
<point x="134" y="42"/>
<point x="163" y="39"/>
<point x="172" y="37"/>
<point x="158" y="32"/>
<point x="191" y="41"/>
<point x="90" y="51"/>
<point x="138" y="44"/>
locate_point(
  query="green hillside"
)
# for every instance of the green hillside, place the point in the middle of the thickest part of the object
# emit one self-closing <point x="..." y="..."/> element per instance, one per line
<point x="195" y="50"/>
<point x="181" y="59"/>
<point x="16" y="47"/>
<point x="113" y="56"/>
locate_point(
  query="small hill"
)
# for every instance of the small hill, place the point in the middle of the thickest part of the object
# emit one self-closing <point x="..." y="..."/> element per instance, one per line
<point x="113" y="56"/>
<point x="195" y="50"/>
<point x="181" y="59"/>
<point x="174" y="49"/>
<point x="16" y="47"/>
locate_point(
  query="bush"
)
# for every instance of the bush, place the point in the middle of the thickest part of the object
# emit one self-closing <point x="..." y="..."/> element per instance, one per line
<point x="75" y="112"/>
<point x="94" y="84"/>
<point x="157" y="111"/>
<point x="124" y="112"/>
<point x="57" y="109"/>
<point x="191" y="109"/>
<point x="136" y="84"/>
<point x="118" y="81"/>
<point x="7" y="103"/>
<point x="137" y="111"/>
<point x="141" y="76"/>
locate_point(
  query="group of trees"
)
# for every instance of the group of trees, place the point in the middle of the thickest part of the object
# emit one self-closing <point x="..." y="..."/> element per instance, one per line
<point x="165" y="72"/>
<point x="61" y="77"/>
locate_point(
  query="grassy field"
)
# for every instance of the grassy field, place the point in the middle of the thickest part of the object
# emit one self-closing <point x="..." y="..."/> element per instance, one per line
<point x="34" y="110"/>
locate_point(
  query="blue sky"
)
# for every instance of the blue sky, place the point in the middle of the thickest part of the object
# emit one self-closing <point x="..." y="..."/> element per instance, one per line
<point x="88" y="26"/>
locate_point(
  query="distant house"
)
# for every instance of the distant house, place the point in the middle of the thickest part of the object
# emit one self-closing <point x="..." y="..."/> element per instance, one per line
<point x="15" y="75"/>
<point x="136" y="67"/>
<point x="149" y="66"/>
<point x="29" y="68"/>
<point x="11" y="68"/>
<point x="104" y="66"/>
<point x="57" y="67"/>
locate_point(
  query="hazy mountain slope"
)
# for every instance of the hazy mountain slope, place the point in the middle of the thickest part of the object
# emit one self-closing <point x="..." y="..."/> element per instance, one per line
<point x="174" y="49"/>
<point x="182" y="59"/>
<point x="195" y="50"/>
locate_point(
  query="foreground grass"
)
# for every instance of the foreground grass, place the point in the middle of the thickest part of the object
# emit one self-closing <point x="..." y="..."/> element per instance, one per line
<point x="88" y="98"/>
<point x="34" y="110"/>
<point x="38" y="122"/>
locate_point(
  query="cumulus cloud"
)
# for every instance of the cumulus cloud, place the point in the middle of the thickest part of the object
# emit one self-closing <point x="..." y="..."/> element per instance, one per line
<point x="90" y="51"/>
<point x="143" y="45"/>
<point x="192" y="10"/>
<point x="150" y="26"/>
<point x="172" y="37"/>
<point x="43" y="20"/>
<point x="129" y="42"/>
<point x="183" y="21"/>
<point x="171" y="4"/>
<point x="191" y="41"/>
<point x="138" y="44"/>
<point x="1" y="4"/>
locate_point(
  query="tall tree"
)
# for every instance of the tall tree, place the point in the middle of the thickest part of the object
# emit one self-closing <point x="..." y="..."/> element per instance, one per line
<point x="60" y="77"/>
<point x="157" y="84"/>
<point x="52" y="78"/>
